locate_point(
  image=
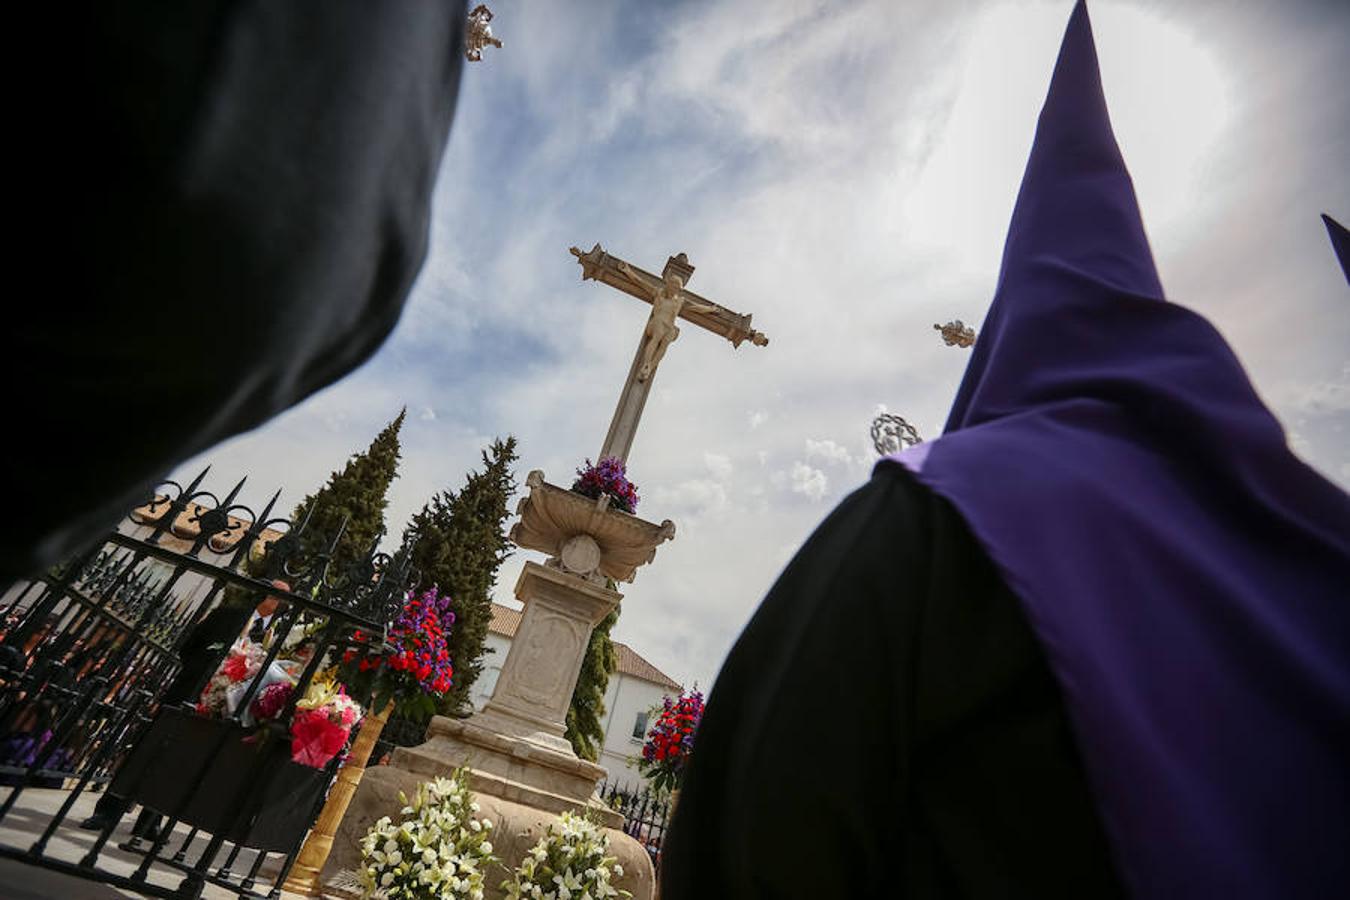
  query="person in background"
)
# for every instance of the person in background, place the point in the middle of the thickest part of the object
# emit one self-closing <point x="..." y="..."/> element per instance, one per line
<point x="201" y="651"/>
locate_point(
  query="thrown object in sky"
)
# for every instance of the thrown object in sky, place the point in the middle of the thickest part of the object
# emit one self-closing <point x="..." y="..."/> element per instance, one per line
<point x="478" y="35"/>
<point x="956" y="333"/>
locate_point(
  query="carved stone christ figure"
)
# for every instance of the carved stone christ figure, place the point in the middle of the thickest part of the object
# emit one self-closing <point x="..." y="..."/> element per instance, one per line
<point x="668" y="299"/>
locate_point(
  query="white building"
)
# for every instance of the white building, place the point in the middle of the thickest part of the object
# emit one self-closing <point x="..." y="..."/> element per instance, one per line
<point x="635" y="688"/>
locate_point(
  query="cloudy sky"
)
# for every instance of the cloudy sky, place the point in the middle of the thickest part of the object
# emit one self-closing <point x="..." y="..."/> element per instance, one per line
<point x="845" y="172"/>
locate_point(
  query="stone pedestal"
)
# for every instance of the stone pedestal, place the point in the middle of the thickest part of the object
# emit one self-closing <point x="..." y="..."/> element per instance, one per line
<point x="522" y="767"/>
<point x="535" y="686"/>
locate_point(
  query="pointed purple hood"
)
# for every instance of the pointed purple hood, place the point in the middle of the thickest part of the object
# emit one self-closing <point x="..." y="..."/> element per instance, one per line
<point x="1340" y="242"/>
<point x="1187" y="575"/>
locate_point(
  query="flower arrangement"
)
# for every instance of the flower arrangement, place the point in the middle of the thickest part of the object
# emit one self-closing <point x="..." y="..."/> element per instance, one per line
<point x="323" y="721"/>
<point x="243" y="662"/>
<point x="323" y="718"/>
<point x="607" y="477"/>
<point x="271" y="701"/>
<point x="413" y="668"/>
<point x="570" y="862"/>
<point x="439" y="850"/>
<point x="670" y="741"/>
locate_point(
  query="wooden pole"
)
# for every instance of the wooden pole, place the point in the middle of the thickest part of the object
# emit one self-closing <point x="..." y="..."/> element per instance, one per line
<point x="304" y="876"/>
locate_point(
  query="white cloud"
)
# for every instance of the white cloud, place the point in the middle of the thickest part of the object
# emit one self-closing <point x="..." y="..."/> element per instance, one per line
<point x="757" y="418"/>
<point x="719" y="465"/>
<point x="696" y="496"/>
<point x="428" y="414"/>
<point x="1322" y="397"/>
<point x="808" y="481"/>
<point x="829" y="451"/>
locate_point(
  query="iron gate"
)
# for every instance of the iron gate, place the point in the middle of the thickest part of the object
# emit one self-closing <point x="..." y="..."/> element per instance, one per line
<point x="96" y="694"/>
<point x="646" y="815"/>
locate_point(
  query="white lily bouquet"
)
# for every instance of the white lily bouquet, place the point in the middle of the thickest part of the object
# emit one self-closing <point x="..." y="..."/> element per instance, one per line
<point x="570" y="862"/>
<point x="438" y="851"/>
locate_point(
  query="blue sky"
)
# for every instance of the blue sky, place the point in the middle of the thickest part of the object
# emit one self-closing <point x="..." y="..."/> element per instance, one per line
<point x="844" y="172"/>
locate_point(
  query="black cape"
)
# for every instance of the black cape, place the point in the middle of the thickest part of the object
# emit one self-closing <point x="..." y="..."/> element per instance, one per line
<point x="255" y="182"/>
<point x="887" y="726"/>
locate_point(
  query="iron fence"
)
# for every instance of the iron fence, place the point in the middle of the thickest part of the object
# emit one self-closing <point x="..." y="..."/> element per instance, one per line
<point x="103" y="658"/>
<point x="646" y="815"/>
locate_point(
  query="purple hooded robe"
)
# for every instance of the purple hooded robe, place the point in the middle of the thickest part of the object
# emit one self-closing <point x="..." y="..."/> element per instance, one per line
<point x="1186" y="574"/>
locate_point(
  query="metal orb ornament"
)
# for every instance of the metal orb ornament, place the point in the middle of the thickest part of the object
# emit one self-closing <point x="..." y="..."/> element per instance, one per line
<point x="891" y="434"/>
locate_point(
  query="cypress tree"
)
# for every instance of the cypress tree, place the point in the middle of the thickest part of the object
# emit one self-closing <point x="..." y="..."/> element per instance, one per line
<point x="586" y="714"/>
<point x="461" y="542"/>
<point x="357" y="493"/>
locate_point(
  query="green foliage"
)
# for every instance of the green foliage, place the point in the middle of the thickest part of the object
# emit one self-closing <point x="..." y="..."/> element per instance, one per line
<point x="359" y="494"/>
<point x="461" y="543"/>
<point x="585" y="715"/>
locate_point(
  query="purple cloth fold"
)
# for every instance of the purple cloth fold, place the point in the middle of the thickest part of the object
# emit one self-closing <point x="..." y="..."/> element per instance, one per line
<point x="1188" y="576"/>
<point x="1340" y="242"/>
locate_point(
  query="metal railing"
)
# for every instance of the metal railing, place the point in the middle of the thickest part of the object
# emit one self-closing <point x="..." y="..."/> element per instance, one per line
<point x="102" y="661"/>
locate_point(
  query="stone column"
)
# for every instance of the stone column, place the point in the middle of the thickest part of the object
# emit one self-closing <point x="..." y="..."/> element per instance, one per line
<point x="535" y="687"/>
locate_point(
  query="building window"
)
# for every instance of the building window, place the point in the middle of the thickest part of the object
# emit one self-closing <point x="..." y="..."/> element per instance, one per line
<point x="640" y="726"/>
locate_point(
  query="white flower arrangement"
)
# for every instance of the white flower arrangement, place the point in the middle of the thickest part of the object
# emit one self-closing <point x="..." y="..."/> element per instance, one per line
<point x="570" y="862"/>
<point x="439" y="850"/>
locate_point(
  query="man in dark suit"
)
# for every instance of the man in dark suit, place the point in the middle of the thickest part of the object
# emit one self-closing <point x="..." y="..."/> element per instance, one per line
<point x="201" y="651"/>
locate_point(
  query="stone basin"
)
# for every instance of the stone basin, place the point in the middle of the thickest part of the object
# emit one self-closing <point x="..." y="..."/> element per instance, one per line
<point x="583" y="536"/>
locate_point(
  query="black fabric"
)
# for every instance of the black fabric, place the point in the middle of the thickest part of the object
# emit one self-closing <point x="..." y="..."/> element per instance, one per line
<point x="887" y="726"/>
<point x="203" y="649"/>
<point x="201" y="652"/>
<point x="257" y="180"/>
<point x="215" y="775"/>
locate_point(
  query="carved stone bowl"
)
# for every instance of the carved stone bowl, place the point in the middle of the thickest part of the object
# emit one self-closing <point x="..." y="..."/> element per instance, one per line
<point x="583" y="536"/>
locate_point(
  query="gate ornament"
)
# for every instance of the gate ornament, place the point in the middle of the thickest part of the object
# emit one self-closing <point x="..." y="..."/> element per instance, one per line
<point x="103" y="658"/>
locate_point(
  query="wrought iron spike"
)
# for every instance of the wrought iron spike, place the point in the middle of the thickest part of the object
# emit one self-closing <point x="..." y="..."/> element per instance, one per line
<point x="267" y="510"/>
<point x="234" y="492"/>
<point x="191" y="488"/>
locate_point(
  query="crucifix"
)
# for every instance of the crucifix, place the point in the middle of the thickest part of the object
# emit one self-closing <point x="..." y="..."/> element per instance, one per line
<point x="669" y="300"/>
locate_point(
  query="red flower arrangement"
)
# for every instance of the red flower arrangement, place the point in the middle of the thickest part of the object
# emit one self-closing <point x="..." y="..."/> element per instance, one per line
<point x="607" y="477"/>
<point x="323" y="720"/>
<point x="414" y="667"/>
<point x="671" y="740"/>
<point x="271" y="701"/>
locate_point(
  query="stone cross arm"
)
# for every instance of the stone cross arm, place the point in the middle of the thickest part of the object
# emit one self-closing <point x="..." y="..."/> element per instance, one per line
<point x="600" y="266"/>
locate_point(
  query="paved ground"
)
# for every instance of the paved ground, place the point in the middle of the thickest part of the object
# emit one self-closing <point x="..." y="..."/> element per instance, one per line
<point x="32" y="814"/>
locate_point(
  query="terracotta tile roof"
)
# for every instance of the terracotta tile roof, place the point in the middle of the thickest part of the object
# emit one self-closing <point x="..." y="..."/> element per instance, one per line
<point x="631" y="663"/>
<point x="505" y="621"/>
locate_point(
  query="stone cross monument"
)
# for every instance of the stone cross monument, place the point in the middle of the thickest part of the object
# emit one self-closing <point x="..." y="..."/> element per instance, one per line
<point x="669" y="300"/>
<point x="522" y="767"/>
